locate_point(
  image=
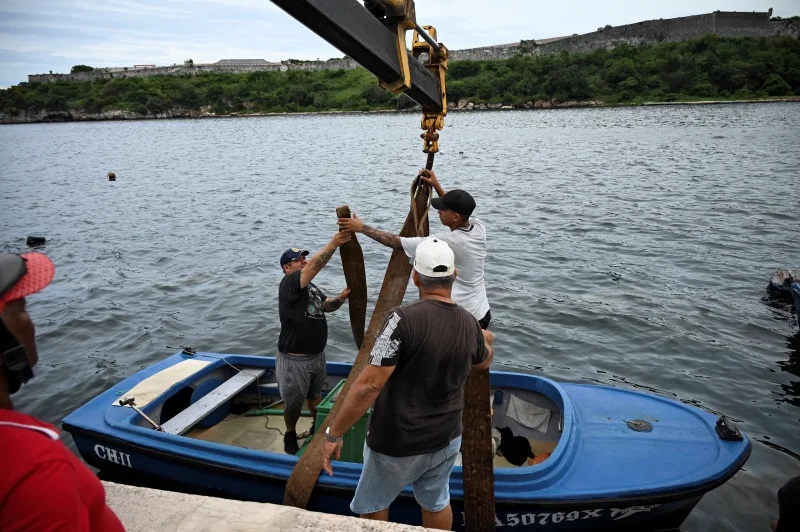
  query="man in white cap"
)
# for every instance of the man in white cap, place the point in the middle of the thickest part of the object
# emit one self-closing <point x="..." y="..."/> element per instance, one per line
<point x="465" y="235"/>
<point x="415" y="378"/>
<point x="43" y="486"/>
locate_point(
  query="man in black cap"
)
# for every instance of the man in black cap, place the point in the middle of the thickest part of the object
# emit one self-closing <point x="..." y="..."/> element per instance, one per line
<point x="300" y="365"/>
<point x="466" y="237"/>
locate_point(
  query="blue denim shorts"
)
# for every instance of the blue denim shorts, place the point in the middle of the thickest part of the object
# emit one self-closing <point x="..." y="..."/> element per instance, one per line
<point x="384" y="477"/>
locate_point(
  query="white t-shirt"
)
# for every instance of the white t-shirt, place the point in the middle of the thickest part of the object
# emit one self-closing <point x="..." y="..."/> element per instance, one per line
<point x="469" y="247"/>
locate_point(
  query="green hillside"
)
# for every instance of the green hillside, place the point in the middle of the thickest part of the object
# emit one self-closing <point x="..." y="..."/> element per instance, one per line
<point x="702" y="69"/>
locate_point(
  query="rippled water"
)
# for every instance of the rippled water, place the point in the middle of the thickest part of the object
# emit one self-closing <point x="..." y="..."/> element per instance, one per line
<point x="629" y="247"/>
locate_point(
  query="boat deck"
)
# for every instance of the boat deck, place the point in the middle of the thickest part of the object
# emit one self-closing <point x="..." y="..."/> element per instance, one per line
<point x="265" y="433"/>
<point x="253" y="417"/>
<point x="261" y="433"/>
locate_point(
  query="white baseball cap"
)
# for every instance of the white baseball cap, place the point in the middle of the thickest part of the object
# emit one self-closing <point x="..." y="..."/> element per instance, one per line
<point x="434" y="258"/>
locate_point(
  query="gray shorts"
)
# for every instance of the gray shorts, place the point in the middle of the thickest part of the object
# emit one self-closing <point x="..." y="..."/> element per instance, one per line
<point x="300" y="377"/>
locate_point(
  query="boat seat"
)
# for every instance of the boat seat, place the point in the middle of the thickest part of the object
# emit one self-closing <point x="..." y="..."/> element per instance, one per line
<point x="188" y="418"/>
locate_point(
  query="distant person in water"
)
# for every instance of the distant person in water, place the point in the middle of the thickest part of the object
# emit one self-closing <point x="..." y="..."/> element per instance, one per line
<point x="43" y="486"/>
<point x="300" y="366"/>
<point x="788" y="507"/>
<point x="466" y="236"/>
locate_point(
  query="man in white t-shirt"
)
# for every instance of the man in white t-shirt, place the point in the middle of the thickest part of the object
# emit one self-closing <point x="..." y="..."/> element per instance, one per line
<point x="466" y="237"/>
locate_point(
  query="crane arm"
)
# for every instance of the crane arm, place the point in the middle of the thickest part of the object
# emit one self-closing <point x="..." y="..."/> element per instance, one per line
<point x="374" y="36"/>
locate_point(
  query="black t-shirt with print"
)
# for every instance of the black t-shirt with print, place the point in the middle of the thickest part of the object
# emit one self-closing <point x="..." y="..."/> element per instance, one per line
<point x="434" y="345"/>
<point x="304" y="330"/>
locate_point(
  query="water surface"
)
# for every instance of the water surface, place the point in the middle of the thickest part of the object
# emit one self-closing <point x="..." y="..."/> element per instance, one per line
<point x="630" y="247"/>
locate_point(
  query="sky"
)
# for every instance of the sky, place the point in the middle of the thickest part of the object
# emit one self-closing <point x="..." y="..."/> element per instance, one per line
<point x="37" y="36"/>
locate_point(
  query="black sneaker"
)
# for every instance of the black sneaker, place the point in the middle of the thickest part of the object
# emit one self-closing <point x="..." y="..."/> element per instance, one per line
<point x="290" y="442"/>
<point x="311" y="430"/>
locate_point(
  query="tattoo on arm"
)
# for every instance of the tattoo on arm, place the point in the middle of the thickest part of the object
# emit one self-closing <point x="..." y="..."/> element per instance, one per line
<point x="332" y="304"/>
<point x="384" y="237"/>
<point x="323" y="259"/>
<point x="316" y="263"/>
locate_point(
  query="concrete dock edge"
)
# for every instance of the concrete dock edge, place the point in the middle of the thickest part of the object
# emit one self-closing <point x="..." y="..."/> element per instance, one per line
<point x="150" y="510"/>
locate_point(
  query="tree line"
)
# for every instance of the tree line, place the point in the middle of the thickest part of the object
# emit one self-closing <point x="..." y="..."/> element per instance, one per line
<point x="707" y="68"/>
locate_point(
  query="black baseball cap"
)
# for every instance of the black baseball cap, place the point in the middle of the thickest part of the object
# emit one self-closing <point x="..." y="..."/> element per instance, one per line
<point x="455" y="200"/>
<point x="291" y="254"/>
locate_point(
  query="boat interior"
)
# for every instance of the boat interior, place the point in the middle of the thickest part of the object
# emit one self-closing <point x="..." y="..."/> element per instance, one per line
<point x="243" y="408"/>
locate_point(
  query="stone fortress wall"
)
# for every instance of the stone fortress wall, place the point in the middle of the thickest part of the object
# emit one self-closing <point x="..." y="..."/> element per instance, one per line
<point x="721" y="23"/>
<point x="230" y="67"/>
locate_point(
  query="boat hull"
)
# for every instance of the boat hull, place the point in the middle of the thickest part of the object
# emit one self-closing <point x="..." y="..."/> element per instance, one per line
<point x="162" y="471"/>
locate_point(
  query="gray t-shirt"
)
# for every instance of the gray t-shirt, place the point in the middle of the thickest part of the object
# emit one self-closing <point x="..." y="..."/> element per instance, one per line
<point x="469" y="247"/>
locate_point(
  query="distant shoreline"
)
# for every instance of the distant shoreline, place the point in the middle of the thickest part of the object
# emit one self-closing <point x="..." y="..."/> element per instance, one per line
<point x="793" y="99"/>
<point x="115" y="116"/>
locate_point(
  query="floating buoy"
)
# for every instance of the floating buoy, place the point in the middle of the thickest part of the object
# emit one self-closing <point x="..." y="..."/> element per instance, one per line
<point x="35" y="241"/>
<point x="112" y="176"/>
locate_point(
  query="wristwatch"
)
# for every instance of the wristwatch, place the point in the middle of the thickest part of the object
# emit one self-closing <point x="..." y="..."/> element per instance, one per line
<point x="332" y="439"/>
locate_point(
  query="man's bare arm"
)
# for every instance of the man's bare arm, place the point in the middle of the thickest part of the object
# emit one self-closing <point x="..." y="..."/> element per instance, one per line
<point x="357" y="225"/>
<point x="332" y="304"/>
<point x="365" y="390"/>
<point x="321" y="258"/>
<point x="384" y="237"/>
<point x="488" y="340"/>
<point x="430" y="177"/>
<point x="362" y="395"/>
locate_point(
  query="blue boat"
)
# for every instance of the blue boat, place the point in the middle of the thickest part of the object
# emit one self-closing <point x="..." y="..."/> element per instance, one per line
<point x="618" y="459"/>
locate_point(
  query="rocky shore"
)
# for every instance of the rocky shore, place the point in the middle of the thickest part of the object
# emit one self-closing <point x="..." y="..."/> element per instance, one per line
<point x="462" y="105"/>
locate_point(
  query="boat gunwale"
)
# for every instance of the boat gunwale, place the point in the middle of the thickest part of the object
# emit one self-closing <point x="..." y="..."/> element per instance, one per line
<point x="532" y="476"/>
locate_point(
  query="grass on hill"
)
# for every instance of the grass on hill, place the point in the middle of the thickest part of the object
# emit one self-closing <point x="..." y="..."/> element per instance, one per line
<point x="703" y="69"/>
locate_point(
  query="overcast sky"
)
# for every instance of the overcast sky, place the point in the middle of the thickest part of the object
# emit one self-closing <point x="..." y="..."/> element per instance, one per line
<point x="37" y="36"/>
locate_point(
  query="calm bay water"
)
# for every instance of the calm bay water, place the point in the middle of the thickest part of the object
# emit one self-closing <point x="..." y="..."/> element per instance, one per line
<point x="628" y="247"/>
